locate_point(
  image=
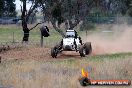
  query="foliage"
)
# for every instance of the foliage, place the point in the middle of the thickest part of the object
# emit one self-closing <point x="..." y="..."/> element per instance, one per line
<point x="70" y="12"/>
<point x="7" y="8"/>
<point x="75" y="11"/>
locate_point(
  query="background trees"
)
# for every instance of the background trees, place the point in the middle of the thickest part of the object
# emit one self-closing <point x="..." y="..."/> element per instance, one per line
<point x="7" y="8"/>
<point x="72" y="12"/>
<point x="69" y="12"/>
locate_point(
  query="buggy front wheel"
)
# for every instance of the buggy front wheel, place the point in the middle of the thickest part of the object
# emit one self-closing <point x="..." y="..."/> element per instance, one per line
<point x="54" y="52"/>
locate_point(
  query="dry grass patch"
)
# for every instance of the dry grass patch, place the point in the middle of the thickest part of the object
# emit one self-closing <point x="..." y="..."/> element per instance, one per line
<point x="29" y="73"/>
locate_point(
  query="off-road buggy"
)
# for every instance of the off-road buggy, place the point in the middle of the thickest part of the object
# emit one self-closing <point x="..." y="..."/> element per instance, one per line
<point x="72" y="42"/>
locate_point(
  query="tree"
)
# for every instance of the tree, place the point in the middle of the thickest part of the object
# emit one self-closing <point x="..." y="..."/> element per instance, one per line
<point x="128" y="4"/>
<point x="32" y="18"/>
<point x="7" y="8"/>
<point x="52" y="12"/>
<point x="70" y="12"/>
<point x="26" y="15"/>
<point x="1" y="7"/>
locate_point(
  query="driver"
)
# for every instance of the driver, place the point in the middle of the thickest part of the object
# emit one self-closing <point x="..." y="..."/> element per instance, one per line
<point x="76" y="36"/>
<point x="80" y="40"/>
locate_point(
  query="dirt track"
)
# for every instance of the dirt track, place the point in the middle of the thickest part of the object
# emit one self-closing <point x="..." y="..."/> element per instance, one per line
<point x="116" y="41"/>
<point x="37" y="53"/>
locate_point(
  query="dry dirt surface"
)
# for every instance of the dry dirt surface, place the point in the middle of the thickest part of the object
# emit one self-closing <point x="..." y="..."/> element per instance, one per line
<point x="37" y="53"/>
<point x="27" y="53"/>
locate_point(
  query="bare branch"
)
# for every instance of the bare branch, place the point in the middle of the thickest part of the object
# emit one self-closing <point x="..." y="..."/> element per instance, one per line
<point x="21" y="8"/>
<point x="35" y="26"/>
<point x="31" y="10"/>
<point x="57" y="29"/>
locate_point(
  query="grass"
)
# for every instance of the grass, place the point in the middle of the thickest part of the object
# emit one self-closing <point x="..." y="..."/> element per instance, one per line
<point x="29" y="73"/>
<point x="10" y="33"/>
<point x="34" y="68"/>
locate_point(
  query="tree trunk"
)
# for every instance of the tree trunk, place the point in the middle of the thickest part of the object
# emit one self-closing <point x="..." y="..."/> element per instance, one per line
<point x="24" y="23"/>
<point x="26" y="34"/>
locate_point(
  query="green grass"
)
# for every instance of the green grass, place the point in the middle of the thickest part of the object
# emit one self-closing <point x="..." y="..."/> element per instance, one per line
<point x="97" y="58"/>
<point x="7" y="34"/>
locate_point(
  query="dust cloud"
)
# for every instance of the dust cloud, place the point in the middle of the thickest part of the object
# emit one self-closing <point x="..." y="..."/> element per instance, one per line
<point x="110" y="39"/>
